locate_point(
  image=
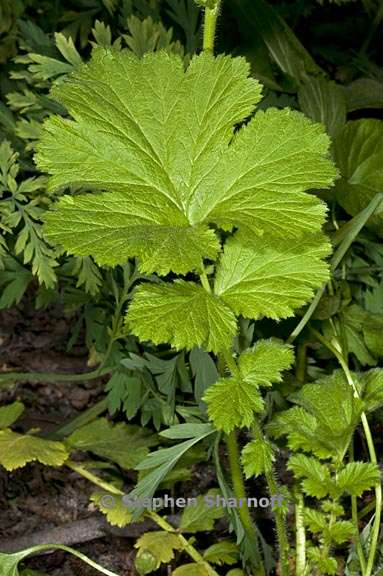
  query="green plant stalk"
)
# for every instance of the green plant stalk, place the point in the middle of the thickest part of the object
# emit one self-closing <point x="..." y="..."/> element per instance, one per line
<point x="300" y="536"/>
<point x="116" y="321"/>
<point x="280" y="525"/>
<point x="371" y="449"/>
<point x="6" y="377"/>
<point x="210" y="24"/>
<point x="44" y="547"/>
<point x="159" y="520"/>
<point x="343" y="240"/>
<point x="354" y="514"/>
<point x="237" y="475"/>
<point x="240" y="494"/>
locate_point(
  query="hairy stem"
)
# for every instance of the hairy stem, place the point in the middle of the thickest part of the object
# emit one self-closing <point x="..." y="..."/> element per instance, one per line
<point x="240" y="494"/>
<point x="280" y="524"/>
<point x="354" y="513"/>
<point x="210" y="24"/>
<point x="300" y="536"/>
<point x="159" y="520"/>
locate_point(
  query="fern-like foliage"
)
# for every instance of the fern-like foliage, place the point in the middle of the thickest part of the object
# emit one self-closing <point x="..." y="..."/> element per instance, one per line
<point x="170" y="179"/>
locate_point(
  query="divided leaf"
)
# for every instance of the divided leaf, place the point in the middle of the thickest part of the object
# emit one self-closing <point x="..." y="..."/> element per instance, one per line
<point x="16" y="450"/>
<point x="122" y="443"/>
<point x="319" y="425"/>
<point x="158" y="142"/>
<point x="147" y="132"/>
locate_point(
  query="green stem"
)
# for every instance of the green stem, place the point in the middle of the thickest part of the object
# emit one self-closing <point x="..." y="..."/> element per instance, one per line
<point x="300" y="536"/>
<point x="280" y="525"/>
<point x="116" y="321"/>
<point x="241" y="497"/>
<point x="210" y="24"/>
<point x="205" y="281"/>
<point x="159" y="520"/>
<point x="354" y="513"/>
<point x="43" y="547"/>
<point x="6" y="377"/>
<point x="371" y="449"/>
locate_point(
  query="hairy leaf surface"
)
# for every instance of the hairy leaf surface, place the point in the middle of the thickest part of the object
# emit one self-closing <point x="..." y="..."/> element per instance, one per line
<point x="183" y="314"/>
<point x="158" y="142"/>
<point x="233" y="401"/>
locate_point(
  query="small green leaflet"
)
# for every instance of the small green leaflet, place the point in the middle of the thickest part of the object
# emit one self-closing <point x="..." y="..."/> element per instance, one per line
<point x="257" y="458"/>
<point x="316" y="476"/>
<point x="160" y="544"/>
<point x="113" y="507"/>
<point x="233" y="401"/>
<point x="201" y="517"/>
<point x="9" y="414"/>
<point x="191" y="569"/>
<point x="16" y="450"/>
<point x="224" y="552"/>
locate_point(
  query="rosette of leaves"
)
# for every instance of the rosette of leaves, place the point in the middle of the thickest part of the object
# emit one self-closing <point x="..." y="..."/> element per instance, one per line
<point x="168" y="180"/>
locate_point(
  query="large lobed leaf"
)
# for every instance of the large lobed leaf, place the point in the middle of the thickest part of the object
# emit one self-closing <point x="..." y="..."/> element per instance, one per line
<point x="157" y="147"/>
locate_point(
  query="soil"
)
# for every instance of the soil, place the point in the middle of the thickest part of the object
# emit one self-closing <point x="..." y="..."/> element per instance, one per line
<point x="35" y="497"/>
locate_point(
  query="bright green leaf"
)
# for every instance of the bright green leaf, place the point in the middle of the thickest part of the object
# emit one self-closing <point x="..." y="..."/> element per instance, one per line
<point x="183" y="314"/>
<point x="257" y="458"/>
<point x="112" y="505"/>
<point x="316" y="476"/>
<point x="357" y="477"/>
<point x="16" y="450"/>
<point x="271" y="277"/>
<point x="224" y="552"/>
<point x="160" y="544"/>
<point x="10" y="413"/>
